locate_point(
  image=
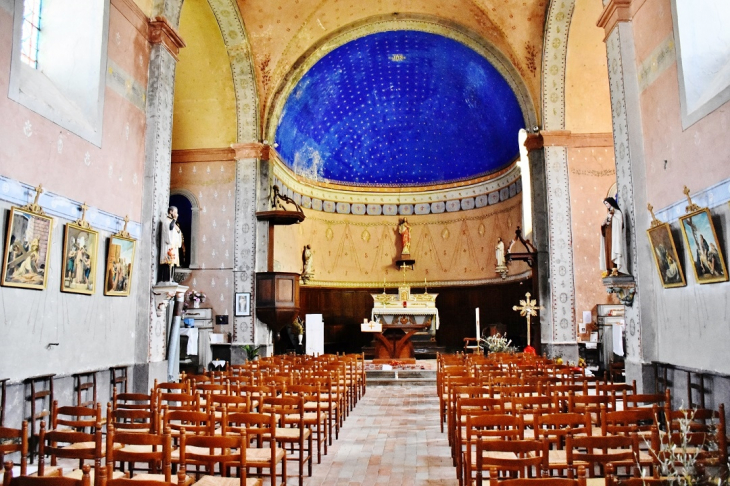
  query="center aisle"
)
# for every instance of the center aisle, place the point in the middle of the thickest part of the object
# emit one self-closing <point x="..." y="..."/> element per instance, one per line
<point x="392" y="437"/>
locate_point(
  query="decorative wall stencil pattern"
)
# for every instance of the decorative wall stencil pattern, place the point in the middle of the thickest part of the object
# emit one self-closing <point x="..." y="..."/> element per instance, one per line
<point x="624" y="178"/>
<point x="658" y="61"/>
<point x="556" y="172"/>
<point x="239" y="52"/>
<point x="421" y="207"/>
<point x="125" y="86"/>
<point x="360" y="116"/>
<point x="158" y="136"/>
<point x="244" y="257"/>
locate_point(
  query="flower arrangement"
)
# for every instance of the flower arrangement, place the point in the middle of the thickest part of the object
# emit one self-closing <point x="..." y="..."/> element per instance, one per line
<point x="498" y="344"/>
<point x="298" y="326"/>
<point x="195" y="296"/>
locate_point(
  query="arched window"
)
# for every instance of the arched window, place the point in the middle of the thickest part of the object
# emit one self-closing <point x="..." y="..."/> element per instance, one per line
<point x="188" y="212"/>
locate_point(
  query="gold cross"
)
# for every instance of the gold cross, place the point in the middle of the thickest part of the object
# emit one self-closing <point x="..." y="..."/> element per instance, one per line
<point x="84" y="207"/>
<point x="692" y="207"/>
<point x="126" y="220"/>
<point x="654" y="221"/>
<point x="404" y="266"/>
<point x="38" y="192"/>
<point x="528" y="308"/>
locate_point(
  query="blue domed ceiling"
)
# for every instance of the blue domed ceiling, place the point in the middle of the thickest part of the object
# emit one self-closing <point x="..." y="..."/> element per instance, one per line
<point x="400" y="108"/>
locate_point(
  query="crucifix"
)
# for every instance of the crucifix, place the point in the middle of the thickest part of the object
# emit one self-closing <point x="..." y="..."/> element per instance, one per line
<point x="82" y="222"/>
<point x="528" y="308"/>
<point x="34" y="207"/>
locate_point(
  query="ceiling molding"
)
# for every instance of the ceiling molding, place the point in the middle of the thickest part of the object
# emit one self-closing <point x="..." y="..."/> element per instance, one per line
<point x="188" y="156"/>
<point x="617" y="11"/>
<point x="131" y="11"/>
<point x="565" y="138"/>
<point x="162" y="32"/>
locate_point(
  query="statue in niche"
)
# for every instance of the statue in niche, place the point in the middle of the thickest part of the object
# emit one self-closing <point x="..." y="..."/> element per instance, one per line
<point x="171" y="240"/>
<point x="404" y="229"/>
<point x="614" y="255"/>
<point x="307" y="265"/>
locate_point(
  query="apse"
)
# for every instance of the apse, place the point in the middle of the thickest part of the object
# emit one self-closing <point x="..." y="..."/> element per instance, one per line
<point x="400" y="108"/>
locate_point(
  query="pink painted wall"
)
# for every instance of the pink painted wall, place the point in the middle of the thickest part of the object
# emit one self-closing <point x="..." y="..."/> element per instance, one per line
<point x="694" y="155"/>
<point x="213" y="185"/>
<point x="592" y="173"/>
<point x="35" y="150"/>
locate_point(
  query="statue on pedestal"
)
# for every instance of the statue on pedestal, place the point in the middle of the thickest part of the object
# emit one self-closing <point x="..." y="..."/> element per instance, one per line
<point x="613" y="258"/>
<point x="404" y="229"/>
<point x="171" y="239"/>
<point x="307" y="265"/>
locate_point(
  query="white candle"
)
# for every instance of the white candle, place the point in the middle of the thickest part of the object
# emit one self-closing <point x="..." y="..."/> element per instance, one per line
<point x="478" y="333"/>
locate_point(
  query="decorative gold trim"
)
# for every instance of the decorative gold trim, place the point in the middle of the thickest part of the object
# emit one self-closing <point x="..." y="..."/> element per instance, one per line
<point x="34" y="207"/>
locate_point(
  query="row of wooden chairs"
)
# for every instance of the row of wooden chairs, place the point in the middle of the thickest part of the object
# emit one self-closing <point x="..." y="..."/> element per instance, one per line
<point x="557" y="415"/>
<point x="285" y="407"/>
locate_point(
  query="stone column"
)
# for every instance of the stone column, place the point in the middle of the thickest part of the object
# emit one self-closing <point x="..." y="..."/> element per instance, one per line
<point x="630" y="177"/>
<point x="166" y="44"/>
<point x="251" y="236"/>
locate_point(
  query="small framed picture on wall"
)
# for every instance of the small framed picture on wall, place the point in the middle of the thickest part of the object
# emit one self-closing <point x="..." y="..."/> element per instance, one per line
<point x="243" y="304"/>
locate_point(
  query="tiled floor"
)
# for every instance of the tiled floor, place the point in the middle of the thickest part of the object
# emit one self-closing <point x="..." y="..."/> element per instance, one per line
<point x="392" y="437"/>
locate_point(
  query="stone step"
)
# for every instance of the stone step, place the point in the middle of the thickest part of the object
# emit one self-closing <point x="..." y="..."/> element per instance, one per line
<point x="401" y="377"/>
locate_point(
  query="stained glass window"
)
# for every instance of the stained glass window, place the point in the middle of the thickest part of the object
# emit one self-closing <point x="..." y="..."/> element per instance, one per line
<point x="31" y="32"/>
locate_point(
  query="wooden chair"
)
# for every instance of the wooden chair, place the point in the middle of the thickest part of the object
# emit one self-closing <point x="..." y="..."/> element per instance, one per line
<point x="315" y="415"/>
<point x="85" y="385"/>
<point x="520" y="458"/>
<point x="41" y="389"/>
<point x="75" y="445"/>
<point x="494" y="480"/>
<point x="78" y="418"/>
<point x="133" y="420"/>
<point x="118" y="378"/>
<point x="182" y="480"/>
<point x="619" y="450"/>
<point x="132" y="401"/>
<point x="154" y="450"/>
<point x="226" y="451"/>
<point x="3" y="397"/>
<point x="646" y="400"/>
<point x="291" y="431"/>
<point x="262" y="450"/>
<point x="554" y="428"/>
<point x="486" y="427"/>
<point x="15" y="441"/>
<point x="22" y="480"/>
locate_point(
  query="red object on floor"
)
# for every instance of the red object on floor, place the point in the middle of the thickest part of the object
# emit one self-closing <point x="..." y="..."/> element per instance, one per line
<point x="530" y="350"/>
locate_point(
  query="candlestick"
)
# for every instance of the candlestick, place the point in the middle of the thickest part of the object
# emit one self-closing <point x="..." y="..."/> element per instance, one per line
<point x="478" y="330"/>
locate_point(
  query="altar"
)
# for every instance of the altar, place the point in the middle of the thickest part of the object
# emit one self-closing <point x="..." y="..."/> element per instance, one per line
<point x="402" y="316"/>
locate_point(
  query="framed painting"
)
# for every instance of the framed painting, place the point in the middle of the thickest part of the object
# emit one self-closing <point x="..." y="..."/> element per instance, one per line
<point x="119" y="266"/>
<point x="665" y="256"/>
<point x="703" y="247"/>
<point x="243" y="304"/>
<point x="27" y="250"/>
<point x="80" y="253"/>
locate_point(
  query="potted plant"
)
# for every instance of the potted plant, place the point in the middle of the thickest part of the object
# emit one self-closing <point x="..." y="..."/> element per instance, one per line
<point x="251" y="350"/>
<point x="298" y="328"/>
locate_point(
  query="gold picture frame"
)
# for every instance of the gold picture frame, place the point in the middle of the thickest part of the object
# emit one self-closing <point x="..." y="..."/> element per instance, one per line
<point x="80" y="254"/>
<point x="119" y="266"/>
<point x="703" y="247"/>
<point x="665" y="256"/>
<point x="27" y="249"/>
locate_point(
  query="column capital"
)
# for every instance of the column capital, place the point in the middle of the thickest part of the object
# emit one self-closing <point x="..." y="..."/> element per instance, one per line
<point x="618" y="11"/>
<point x="533" y="142"/>
<point x="253" y="150"/>
<point x="162" y="32"/>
